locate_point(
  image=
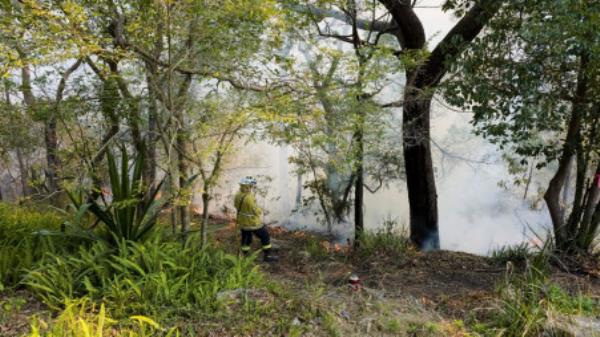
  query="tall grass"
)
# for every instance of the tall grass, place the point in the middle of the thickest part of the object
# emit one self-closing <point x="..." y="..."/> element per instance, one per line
<point x="391" y="240"/>
<point x="150" y="277"/>
<point x="529" y="301"/>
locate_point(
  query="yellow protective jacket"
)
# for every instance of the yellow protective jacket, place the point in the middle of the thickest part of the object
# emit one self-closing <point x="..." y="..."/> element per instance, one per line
<point x="248" y="214"/>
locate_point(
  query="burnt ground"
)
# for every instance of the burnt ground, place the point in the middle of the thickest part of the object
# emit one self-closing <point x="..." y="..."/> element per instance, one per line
<point x="454" y="284"/>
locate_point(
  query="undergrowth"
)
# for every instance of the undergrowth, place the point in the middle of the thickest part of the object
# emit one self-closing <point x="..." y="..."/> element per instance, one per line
<point x="83" y="318"/>
<point x="518" y="253"/>
<point x="20" y="245"/>
<point x="390" y="241"/>
<point x="154" y="277"/>
<point x="529" y="304"/>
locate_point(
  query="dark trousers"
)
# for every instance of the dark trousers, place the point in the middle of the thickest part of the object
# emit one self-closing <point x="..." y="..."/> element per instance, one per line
<point x="261" y="233"/>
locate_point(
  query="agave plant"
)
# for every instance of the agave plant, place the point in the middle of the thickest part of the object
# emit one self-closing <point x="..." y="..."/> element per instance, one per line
<point x="131" y="212"/>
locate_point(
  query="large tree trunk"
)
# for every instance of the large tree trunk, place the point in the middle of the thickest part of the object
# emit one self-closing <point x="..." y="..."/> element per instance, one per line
<point x="420" y="87"/>
<point x="420" y="177"/>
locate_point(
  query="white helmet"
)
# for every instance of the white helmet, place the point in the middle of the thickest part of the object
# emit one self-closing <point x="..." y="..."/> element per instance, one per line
<point x="248" y="180"/>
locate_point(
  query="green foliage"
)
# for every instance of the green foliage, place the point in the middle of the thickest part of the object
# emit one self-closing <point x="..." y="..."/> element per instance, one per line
<point x="18" y="233"/>
<point x="514" y="253"/>
<point x="81" y="318"/>
<point x="519" y="88"/>
<point x="143" y="277"/>
<point x="133" y="211"/>
<point x="388" y="241"/>
<point x="528" y="302"/>
<point x="315" y="249"/>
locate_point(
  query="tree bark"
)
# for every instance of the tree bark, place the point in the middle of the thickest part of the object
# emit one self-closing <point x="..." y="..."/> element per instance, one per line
<point x="588" y="228"/>
<point x="205" y="204"/>
<point x="51" y="135"/>
<point x="23" y="172"/>
<point x="151" y="139"/>
<point x="420" y="178"/>
<point x="552" y="196"/>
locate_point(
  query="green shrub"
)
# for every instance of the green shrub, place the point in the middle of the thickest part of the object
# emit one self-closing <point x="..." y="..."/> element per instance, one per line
<point x="518" y="253"/>
<point x="143" y="277"/>
<point x="391" y="240"/>
<point x="133" y="211"/>
<point x="21" y="246"/>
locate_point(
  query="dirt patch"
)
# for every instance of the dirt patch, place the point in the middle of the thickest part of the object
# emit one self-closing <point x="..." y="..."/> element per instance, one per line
<point x="16" y="310"/>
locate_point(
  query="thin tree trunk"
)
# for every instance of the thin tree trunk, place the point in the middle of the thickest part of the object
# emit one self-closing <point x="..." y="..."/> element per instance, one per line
<point x="566" y="194"/>
<point x="183" y="167"/>
<point x="23" y="172"/>
<point x="562" y="238"/>
<point x="51" y="135"/>
<point x="359" y="226"/>
<point x="174" y="188"/>
<point x="588" y="228"/>
<point x="205" y="204"/>
<point x="151" y="139"/>
<point x="528" y="182"/>
<point x="298" y="191"/>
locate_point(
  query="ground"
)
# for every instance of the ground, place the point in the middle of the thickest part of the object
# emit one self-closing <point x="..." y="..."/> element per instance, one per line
<point x="402" y="292"/>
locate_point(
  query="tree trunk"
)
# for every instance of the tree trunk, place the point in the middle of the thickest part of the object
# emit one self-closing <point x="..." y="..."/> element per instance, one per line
<point x="588" y="228"/>
<point x="562" y="237"/>
<point x="183" y="167"/>
<point x="51" y="135"/>
<point x="359" y="226"/>
<point x="204" y="229"/>
<point x="420" y="87"/>
<point x="420" y="177"/>
<point x="151" y="139"/>
<point x="23" y="172"/>
<point x="173" y="159"/>
<point x="52" y="159"/>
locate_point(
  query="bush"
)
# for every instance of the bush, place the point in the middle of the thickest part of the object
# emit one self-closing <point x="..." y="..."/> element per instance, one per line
<point x="133" y="210"/>
<point x="20" y="247"/>
<point x="389" y="241"/>
<point x="143" y="277"/>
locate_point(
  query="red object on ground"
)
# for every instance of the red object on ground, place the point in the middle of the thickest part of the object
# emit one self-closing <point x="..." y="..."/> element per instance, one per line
<point x="354" y="282"/>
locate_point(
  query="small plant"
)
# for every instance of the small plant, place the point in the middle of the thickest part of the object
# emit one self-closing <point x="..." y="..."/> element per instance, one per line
<point x="518" y="253"/>
<point x="134" y="208"/>
<point x="315" y="248"/>
<point x="527" y="302"/>
<point x="80" y="318"/>
<point x="390" y="240"/>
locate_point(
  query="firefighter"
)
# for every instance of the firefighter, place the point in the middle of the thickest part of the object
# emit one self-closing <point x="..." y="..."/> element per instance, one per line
<point x="249" y="219"/>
